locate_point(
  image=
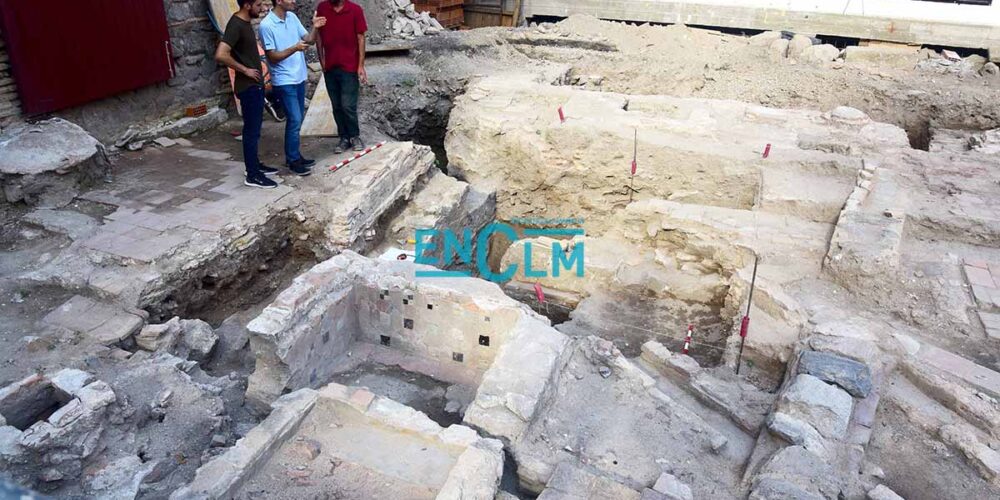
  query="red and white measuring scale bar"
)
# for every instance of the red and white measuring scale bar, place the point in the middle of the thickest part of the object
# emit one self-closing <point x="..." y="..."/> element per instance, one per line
<point x="344" y="163"/>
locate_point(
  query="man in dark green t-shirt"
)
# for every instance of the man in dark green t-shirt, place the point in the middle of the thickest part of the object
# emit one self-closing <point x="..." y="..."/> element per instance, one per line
<point x="238" y="50"/>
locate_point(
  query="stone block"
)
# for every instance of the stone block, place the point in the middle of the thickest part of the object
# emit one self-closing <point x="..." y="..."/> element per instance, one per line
<point x="476" y="473"/>
<point x="744" y="404"/>
<point x="104" y="324"/>
<point x="764" y="39"/>
<point x="570" y="480"/>
<point x="118" y="328"/>
<point x="986" y="297"/>
<point x="859" y="350"/>
<point x="773" y="489"/>
<point x="796" y="432"/>
<point x="198" y="338"/>
<point x="979" y="276"/>
<point x="672" y="488"/>
<point x="402" y="417"/>
<point x="852" y="376"/>
<point x="778" y="50"/>
<point x="678" y="367"/>
<point x="826" y="407"/>
<point x="893" y="56"/>
<point x="991" y="321"/>
<point x="159" y="337"/>
<point x="882" y="492"/>
<point x="67" y="414"/>
<point x="69" y="381"/>
<point x="797" y="45"/>
<point x="803" y="470"/>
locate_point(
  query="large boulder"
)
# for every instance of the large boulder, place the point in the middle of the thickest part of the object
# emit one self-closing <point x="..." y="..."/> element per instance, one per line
<point x="798" y="45"/>
<point x="820" y="54"/>
<point x="48" y="163"/>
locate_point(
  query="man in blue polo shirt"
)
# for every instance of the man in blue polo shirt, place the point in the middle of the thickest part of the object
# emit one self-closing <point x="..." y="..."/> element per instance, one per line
<point x="285" y="40"/>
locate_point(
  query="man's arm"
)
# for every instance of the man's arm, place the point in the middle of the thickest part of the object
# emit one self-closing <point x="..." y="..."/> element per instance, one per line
<point x="362" y="72"/>
<point x="318" y="22"/>
<point x="276" y="56"/>
<point x="224" y="56"/>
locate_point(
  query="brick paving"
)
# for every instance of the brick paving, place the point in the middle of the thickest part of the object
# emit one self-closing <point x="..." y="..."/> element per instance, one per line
<point x="160" y="209"/>
<point x="984" y="278"/>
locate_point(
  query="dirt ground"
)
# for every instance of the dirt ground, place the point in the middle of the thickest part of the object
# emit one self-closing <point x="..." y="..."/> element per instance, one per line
<point x="408" y="95"/>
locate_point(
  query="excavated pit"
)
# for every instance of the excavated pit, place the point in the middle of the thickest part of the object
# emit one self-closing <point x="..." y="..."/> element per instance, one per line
<point x="603" y="401"/>
<point x="235" y="282"/>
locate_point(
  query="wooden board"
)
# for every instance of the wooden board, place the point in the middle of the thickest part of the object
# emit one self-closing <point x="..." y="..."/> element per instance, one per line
<point x="319" y="120"/>
<point x="221" y="11"/>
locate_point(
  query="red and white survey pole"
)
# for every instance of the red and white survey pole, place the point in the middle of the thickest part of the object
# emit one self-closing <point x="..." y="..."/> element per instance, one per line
<point x="687" y="340"/>
<point x="745" y="324"/>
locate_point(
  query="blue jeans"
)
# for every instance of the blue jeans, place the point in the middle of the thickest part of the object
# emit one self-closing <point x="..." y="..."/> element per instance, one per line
<point x="344" y="88"/>
<point x="293" y="98"/>
<point x="252" y="105"/>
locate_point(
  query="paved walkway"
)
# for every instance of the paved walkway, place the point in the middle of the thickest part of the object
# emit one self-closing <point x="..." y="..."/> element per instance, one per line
<point x="157" y="212"/>
<point x="984" y="278"/>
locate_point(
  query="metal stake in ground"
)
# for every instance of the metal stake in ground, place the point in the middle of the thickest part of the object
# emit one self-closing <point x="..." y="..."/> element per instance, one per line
<point x="635" y="165"/>
<point x="745" y="325"/>
<point x="687" y="340"/>
<point x="540" y="295"/>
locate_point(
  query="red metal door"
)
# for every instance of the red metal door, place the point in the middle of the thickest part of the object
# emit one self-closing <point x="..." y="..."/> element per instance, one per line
<point x="69" y="52"/>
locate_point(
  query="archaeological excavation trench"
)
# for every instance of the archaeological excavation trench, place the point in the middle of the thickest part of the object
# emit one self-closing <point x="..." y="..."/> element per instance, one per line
<point x="349" y="335"/>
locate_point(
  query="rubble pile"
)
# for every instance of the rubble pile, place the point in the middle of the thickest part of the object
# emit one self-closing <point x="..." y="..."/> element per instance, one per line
<point x="405" y="22"/>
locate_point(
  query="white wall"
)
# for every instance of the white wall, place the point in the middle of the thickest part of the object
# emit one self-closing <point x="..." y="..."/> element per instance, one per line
<point x="908" y="21"/>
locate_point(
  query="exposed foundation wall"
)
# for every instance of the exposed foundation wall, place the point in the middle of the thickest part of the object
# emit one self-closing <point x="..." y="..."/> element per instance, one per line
<point x="457" y="324"/>
<point x="909" y="21"/>
<point x="445" y="327"/>
<point x="506" y="134"/>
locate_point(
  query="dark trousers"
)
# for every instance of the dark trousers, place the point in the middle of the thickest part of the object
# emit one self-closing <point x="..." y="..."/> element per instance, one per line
<point x="252" y="105"/>
<point x="293" y="98"/>
<point x="344" y="88"/>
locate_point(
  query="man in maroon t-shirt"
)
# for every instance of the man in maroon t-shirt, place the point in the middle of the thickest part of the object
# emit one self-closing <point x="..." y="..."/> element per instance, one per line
<point x="342" y="53"/>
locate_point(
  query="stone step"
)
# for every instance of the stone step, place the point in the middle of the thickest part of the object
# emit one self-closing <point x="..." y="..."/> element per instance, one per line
<point x="806" y="195"/>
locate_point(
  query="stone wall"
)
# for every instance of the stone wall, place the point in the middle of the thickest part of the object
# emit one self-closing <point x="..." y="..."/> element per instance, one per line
<point x="10" y="106"/>
<point x="457" y="324"/>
